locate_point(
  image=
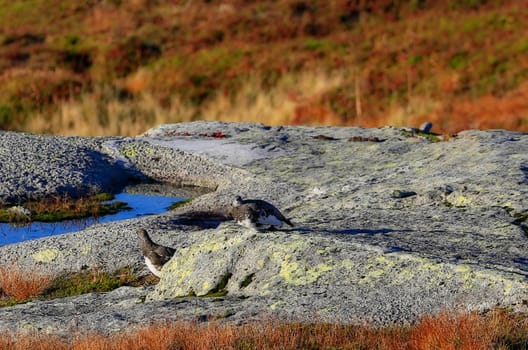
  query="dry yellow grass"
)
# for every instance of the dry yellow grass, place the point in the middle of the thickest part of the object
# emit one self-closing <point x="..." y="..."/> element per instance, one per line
<point x="296" y="98"/>
<point x="278" y="105"/>
<point x="93" y="115"/>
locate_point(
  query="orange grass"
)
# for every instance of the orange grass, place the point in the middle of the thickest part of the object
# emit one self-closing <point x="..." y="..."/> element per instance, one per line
<point x="468" y="331"/>
<point x="16" y="283"/>
<point x="451" y="332"/>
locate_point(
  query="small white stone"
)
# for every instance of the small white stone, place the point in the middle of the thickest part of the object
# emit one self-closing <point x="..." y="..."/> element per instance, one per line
<point x="20" y="212"/>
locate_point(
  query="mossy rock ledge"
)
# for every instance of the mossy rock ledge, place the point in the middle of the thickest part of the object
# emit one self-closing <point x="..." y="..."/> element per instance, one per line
<point x="389" y="225"/>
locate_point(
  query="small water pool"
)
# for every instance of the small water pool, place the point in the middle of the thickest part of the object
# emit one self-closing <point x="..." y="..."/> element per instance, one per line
<point x="143" y="201"/>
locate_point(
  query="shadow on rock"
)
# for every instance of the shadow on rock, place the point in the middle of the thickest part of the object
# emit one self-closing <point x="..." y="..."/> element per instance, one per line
<point x="201" y="219"/>
<point x="524" y="169"/>
<point x="352" y="231"/>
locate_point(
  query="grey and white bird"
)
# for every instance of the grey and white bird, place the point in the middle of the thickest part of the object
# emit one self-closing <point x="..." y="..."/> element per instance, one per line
<point x="254" y="213"/>
<point x="155" y="255"/>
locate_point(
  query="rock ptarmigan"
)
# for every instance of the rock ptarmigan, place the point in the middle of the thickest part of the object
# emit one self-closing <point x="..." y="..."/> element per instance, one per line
<point x="253" y="213"/>
<point x="155" y="255"/>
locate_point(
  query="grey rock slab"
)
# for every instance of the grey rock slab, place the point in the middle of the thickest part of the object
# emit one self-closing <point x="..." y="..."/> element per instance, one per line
<point x="227" y="152"/>
<point x="108" y="247"/>
<point x="111" y="312"/>
<point x="34" y="166"/>
<point x="358" y="252"/>
<point x="338" y="277"/>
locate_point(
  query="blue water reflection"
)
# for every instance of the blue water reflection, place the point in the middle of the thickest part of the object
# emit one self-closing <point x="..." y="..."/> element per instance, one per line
<point x="141" y="204"/>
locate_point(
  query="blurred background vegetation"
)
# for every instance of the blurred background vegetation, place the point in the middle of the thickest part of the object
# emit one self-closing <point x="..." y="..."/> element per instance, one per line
<point x="119" y="67"/>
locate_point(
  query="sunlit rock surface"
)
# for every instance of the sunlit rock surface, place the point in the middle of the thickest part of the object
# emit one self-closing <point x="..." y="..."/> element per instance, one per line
<point x="390" y="224"/>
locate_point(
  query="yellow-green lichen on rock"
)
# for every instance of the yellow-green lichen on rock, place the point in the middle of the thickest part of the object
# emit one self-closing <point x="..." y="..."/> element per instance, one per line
<point x="296" y="268"/>
<point x="297" y="273"/>
<point x="376" y="267"/>
<point x="461" y="201"/>
<point x="85" y="249"/>
<point x="292" y="270"/>
<point x="466" y="274"/>
<point x="399" y="269"/>
<point x="129" y="152"/>
<point x="199" y="267"/>
<point x="509" y="286"/>
<point x="46" y="255"/>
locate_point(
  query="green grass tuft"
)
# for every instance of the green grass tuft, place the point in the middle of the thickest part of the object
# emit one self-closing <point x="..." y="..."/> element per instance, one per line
<point x="103" y="197"/>
<point x="81" y="283"/>
<point x="11" y="301"/>
<point x="178" y="204"/>
<point x="89" y="281"/>
<point x="428" y="136"/>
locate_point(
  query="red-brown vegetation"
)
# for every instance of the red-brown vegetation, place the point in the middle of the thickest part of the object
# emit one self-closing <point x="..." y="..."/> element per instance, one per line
<point x="21" y="285"/>
<point x="469" y="331"/>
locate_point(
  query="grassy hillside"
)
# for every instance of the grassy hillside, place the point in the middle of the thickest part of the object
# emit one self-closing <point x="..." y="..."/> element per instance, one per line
<point x="118" y="67"/>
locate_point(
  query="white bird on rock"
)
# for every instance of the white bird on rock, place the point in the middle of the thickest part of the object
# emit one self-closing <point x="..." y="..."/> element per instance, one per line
<point x="253" y="213"/>
<point x="155" y="255"/>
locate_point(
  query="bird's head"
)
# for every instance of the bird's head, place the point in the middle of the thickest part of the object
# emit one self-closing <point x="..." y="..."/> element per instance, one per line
<point x="143" y="235"/>
<point x="237" y="202"/>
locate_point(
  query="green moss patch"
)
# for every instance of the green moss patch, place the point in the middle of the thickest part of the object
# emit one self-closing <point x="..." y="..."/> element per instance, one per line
<point x="89" y="281"/>
<point x="429" y="136"/>
<point x="247" y="281"/>
<point x="8" y="301"/>
<point x="521" y="220"/>
<point x="180" y="204"/>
